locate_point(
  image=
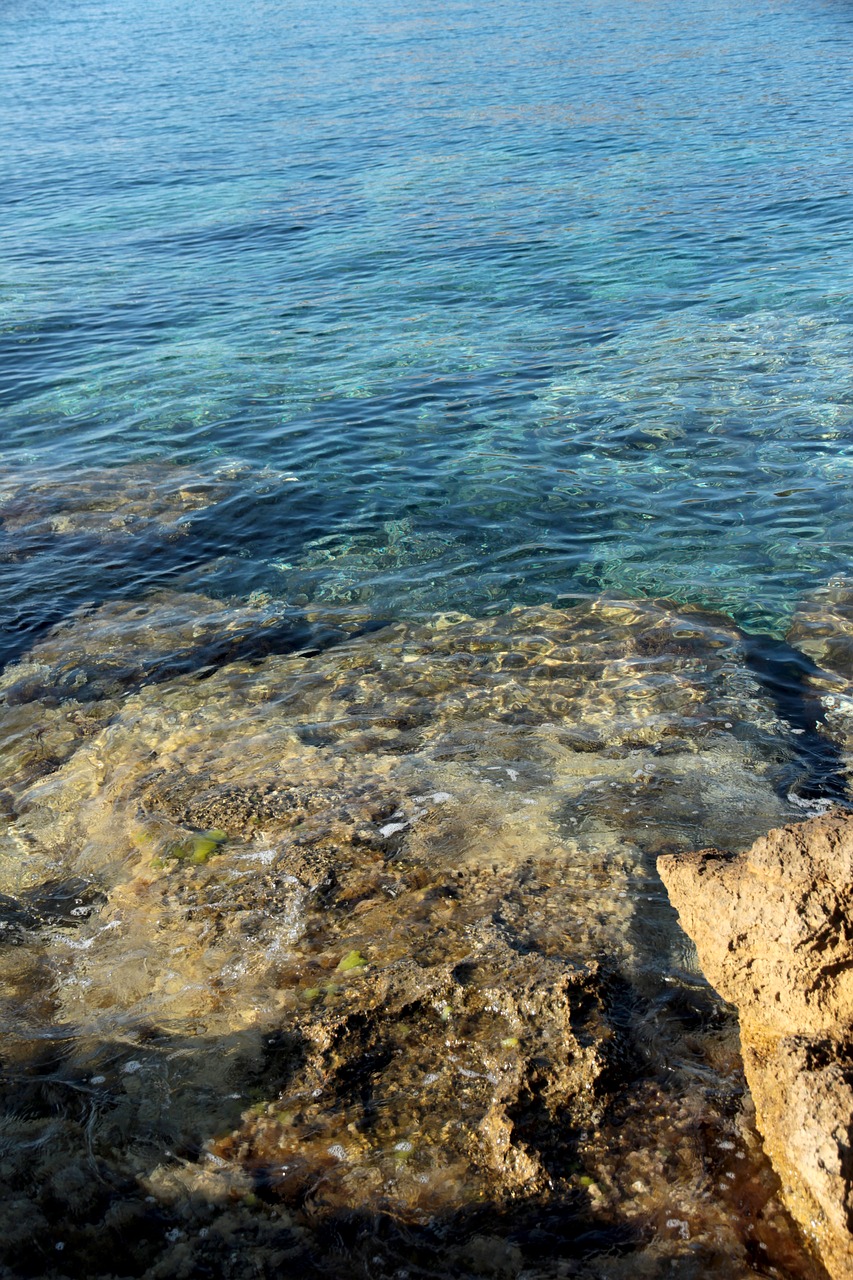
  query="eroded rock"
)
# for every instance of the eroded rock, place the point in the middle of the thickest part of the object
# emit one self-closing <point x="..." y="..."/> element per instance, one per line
<point x="772" y="927"/>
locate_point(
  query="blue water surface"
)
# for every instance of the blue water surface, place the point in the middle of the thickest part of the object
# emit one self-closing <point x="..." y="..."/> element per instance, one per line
<point x="532" y="299"/>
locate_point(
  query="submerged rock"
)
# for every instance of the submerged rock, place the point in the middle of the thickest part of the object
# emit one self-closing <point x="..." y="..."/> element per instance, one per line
<point x="71" y="682"/>
<point x="108" y="504"/>
<point x="822" y="627"/>
<point x="772" y="929"/>
<point x="105" y="651"/>
<point x="421" y="982"/>
<point x="361" y="570"/>
<point x="67" y="539"/>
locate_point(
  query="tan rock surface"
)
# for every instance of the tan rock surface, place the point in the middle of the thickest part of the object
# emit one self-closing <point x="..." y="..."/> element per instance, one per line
<point x="772" y="928"/>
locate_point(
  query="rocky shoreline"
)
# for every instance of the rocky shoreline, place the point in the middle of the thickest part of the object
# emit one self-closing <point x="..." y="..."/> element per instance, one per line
<point x="773" y="929"/>
<point x="351" y="954"/>
<point x="337" y="944"/>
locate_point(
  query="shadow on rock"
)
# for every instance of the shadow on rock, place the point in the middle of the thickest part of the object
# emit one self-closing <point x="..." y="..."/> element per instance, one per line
<point x="372" y="969"/>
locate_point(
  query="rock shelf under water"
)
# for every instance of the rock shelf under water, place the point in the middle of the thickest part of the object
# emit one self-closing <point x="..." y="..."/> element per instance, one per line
<point x="354" y="958"/>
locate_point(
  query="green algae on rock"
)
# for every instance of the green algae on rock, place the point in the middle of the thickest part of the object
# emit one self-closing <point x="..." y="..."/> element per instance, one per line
<point x="198" y="848"/>
<point x="473" y="806"/>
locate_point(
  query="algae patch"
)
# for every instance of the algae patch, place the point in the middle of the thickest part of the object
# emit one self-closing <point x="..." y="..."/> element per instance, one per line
<point x="200" y="848"/>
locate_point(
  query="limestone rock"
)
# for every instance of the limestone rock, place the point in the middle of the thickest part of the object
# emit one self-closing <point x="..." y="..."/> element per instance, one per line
<point x="773" y="931"/>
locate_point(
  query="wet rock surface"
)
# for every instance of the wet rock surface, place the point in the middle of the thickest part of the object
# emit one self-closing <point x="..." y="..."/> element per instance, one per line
<point x="772" y="929"/>
<point x="373" y="974"/>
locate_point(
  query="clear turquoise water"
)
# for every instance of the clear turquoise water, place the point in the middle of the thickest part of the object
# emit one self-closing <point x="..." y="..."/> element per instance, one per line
<point x="564" y="287"/>
<point x="491" y="304"/>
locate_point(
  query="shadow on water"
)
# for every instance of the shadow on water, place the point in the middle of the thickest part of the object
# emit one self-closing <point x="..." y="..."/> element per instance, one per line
<point x="786" y="675"/>
<point x="111" y="1162"/>
<point x="92" y="1138"/>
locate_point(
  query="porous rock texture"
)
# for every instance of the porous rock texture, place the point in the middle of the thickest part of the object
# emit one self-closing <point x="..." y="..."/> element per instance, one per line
<point x="773" y="928"/>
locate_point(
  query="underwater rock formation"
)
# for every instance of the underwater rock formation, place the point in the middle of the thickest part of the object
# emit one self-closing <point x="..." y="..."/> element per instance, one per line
<point x="822" y="627"/>
<point x="772" y="927"/>
<point x="66" y="540"/>
<point x="113" y="503"/>
<point x="340" y="570"/>
<point x="105" y="651"/>
<point x="70" y="683"/>
<point x="369" y="948"/>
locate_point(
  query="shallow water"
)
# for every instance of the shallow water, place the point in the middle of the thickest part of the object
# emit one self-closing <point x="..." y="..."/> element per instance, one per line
<point x="347" y="951"/>
<point x="565" y="291"/>
<point x="424" y="498"/>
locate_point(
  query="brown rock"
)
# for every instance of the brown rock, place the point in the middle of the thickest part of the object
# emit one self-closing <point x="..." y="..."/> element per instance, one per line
<point x="772" y="928"/>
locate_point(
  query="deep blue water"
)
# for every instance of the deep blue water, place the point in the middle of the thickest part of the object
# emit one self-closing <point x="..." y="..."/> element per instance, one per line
<point x="533" y="299"/>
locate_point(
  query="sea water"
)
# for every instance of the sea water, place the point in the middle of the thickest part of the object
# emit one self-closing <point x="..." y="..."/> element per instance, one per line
<point x="564" y="287"/>
<point x="424" y="499"/>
